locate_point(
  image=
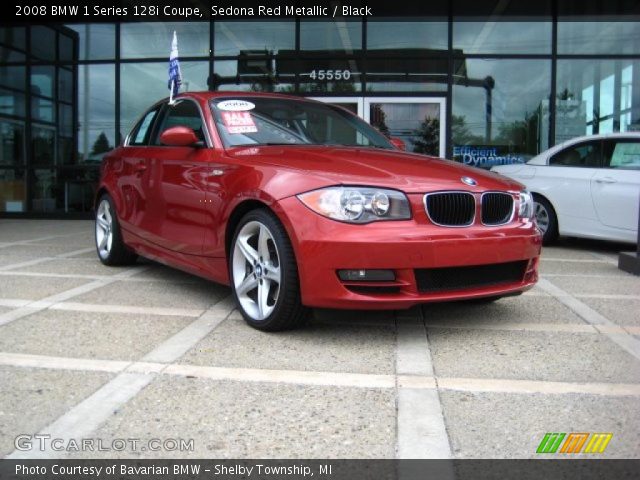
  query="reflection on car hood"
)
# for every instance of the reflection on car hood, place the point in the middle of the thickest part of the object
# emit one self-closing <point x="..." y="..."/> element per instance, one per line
<point x="409" y="172"/>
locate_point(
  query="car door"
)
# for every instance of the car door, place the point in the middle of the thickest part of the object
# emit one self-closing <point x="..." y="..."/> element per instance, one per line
<point x="176" y="183"/>
<point x="134" y="174"/>
<point x="566" y="182"/>
<point x="616" y="187"/>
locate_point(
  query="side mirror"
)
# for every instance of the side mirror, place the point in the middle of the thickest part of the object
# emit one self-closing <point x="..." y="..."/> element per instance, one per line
<point x="398" y="143"/>
<point x="180" y="136"/>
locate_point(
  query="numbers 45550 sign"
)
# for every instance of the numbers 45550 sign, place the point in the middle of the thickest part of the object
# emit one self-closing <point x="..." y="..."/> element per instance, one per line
<point x="330" y="74"/>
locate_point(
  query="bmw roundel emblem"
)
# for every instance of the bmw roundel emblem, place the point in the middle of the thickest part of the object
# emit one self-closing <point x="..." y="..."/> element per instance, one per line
<point x="469" y="181"/>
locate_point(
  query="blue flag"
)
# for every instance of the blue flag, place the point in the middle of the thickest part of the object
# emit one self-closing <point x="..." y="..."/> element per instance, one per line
<point x="175" y="76"/>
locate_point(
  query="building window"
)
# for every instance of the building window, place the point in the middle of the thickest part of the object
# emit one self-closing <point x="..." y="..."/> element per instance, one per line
<point x="142" y="84"/>
<point x="502" y="37"/>
<point x="96" y="111"/>
<point x="408" y="37"/>
<point x="597" y="96"/>
<point x="598" y="37"/>
<point x="153" y="40"/>
<point x="96" y="41"/>
<point x="499" y="110"/>
<point x="331" y="37"/>
<point x="265" y="38"/>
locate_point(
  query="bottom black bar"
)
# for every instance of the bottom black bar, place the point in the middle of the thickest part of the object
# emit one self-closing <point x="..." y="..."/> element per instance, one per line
<point x="548" y="469"/>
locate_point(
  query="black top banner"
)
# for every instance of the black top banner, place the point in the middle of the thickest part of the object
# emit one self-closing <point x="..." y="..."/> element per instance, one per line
<point x="318" y="469"/>
<point x="82" y="11"/>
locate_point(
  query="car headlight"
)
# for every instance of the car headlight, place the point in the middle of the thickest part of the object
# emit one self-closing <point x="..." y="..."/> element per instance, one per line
<point x="358" y="204"/>
<point x="526" y="205"/>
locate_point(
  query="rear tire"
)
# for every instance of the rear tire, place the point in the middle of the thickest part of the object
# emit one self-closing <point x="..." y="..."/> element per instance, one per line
<point x="546" y="219"/>
<point x="264" y="274"/>
<point x="109" y="245"/>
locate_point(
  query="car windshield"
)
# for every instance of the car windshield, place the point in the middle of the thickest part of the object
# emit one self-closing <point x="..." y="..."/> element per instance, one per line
<point x="275" y="121"/>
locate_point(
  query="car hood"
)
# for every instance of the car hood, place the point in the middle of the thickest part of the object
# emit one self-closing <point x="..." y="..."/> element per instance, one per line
<point x="409" y="172"/>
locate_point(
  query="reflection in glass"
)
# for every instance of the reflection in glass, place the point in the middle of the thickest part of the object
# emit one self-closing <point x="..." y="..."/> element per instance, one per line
<point x="43" y="145"/>
<point x="142" y="84"/>
<point x="502" y="37"/>
<point x="486" y="115"/>
<point x="259" y="74"/>
<point x="331" y="36"/>
<point x="65" y="48"/>
<point x="42" y="109"/>
<point x="13" y="192"/>
<point x="597" y="96"/>
<point x="43" y="190"/>
<point x="403" y="35"/>
<point x="42" y="78"/>
<point x="598" y="37"/>
<point x="407" y="74"/>
<point x="10" y="55"/>
<point x="13" y="36"/>
<point x="65" y="85"/>
<point x="13" y="77"/>
<point x="11" y="143"/>
<point x="12" y="103"/>
<point x="416" y="124"/>
<point x="43" y="42"/>
<point x="96" y="112"/>
<point x="97" y="41"/>
<point x="232" y="38"/>
<point x="152" y="40"/>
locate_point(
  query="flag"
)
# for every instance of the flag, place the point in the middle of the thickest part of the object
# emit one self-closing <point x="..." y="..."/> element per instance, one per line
<point x="175" y="77"/>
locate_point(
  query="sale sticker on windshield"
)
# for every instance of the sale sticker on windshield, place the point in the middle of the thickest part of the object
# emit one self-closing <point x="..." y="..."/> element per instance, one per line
<point x="239" y="122"/>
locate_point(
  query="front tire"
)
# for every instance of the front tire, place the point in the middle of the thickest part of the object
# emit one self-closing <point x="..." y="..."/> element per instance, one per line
<point x="546" y="219"/>
<point x="264" y="274"/>
<point x="109" y="245"/>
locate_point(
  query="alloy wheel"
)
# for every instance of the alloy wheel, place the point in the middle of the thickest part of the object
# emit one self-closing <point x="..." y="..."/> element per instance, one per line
<point x="104" y="229"/>
<point x="542" y="217"/>
<point x="256" y="270"/>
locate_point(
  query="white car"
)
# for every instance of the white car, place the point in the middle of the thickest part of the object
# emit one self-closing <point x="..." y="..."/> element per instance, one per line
<point x="585" y="187"/>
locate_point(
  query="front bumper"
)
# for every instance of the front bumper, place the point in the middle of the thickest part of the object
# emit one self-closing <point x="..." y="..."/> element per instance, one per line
<point x="324" y="246"/>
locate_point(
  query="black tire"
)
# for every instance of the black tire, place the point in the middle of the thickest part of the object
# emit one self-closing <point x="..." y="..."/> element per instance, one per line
<point x="281" y="310"/>
<point x="118" y="253"/>
<point x="544" y="210"/>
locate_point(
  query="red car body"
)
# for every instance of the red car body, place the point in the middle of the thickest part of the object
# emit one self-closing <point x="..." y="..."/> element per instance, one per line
<point x="179" y="206"/>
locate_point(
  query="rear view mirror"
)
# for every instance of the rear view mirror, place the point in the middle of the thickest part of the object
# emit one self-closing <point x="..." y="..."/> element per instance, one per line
<point x="398" y="143"/>
<point x="180" y="136"/>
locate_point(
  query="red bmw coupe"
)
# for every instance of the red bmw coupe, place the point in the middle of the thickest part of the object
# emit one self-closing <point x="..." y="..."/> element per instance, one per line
<point x="298" y="204"/>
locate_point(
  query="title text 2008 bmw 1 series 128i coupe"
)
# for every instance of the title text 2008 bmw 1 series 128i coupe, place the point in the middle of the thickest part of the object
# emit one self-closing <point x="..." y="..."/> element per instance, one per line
<point x="298" y="204"/>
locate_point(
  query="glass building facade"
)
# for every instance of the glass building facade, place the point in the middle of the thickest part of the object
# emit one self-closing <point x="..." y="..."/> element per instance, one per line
<point x="482" y="90"/>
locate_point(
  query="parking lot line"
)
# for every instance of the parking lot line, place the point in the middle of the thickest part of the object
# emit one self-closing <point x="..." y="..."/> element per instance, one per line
<point x="537" y="387"/>
<point x="35" y="240"/>
<point x="421" y="429"/>
<point x="40" y="260"/>
<point x="176" y="346"/>
<point x="61" y="363"/>
<point x="589" y="315"/>
<point x="100" y="308"/>
<point x="43" y="304"/>
<point x="84" y="418"/>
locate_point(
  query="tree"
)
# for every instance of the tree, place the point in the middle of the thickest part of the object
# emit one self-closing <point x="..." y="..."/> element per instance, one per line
<point x="427" y="137"/>
<point x="101" y="145"/>
<point x="461" y="134"/>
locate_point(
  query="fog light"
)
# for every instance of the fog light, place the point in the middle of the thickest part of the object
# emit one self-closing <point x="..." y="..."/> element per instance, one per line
<point x="366" y="275"/>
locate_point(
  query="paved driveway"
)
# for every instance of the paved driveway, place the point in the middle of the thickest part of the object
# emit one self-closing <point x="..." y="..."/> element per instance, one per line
<point x="150" y="362"/>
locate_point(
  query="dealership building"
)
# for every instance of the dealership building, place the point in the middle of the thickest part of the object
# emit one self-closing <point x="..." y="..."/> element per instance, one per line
<point x="490" y="88"/>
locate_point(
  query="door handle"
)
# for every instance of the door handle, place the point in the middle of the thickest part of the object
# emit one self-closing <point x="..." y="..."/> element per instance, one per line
<point x="606" y="180"/>
<point x="140" y="167"/>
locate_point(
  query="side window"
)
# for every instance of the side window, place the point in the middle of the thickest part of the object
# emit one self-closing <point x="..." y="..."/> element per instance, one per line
<point x="623" y="154"/>
<point x="184" y="113"/>
<point x="583" y="155"/>
<point x="142" y="131"/>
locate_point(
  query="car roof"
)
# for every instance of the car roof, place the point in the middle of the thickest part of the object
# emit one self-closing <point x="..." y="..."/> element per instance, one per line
<point x="208" y="95"/>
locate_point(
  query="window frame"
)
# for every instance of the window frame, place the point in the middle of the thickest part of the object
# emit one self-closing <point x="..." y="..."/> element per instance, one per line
<point x="160" y="119"/>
